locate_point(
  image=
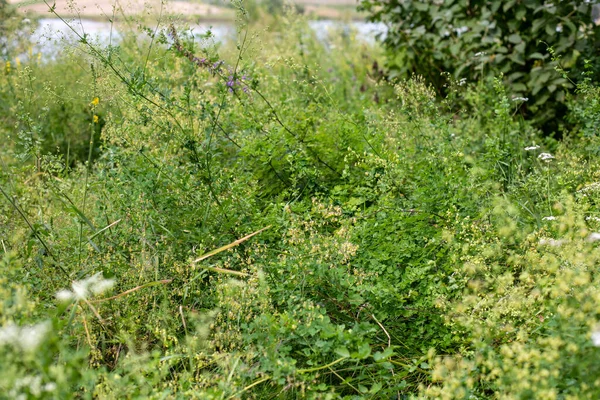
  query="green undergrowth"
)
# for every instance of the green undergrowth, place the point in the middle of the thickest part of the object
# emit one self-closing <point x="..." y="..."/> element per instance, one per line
<point x="406" y="248"/>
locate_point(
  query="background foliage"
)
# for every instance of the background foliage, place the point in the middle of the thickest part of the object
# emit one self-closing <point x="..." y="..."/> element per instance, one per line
<point x="475" y="40"/>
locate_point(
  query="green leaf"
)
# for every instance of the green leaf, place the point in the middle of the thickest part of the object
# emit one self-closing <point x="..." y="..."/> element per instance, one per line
<point x="342" y="352"/>
<point x="508" y="4"/>
<point x="384" y="355"/>
<point x="420" y="6"/>
<point x="364" y="351"/>
<point x="537" y="56"/>
<point x="515" y="38"/>
<point x="376" y="388"/>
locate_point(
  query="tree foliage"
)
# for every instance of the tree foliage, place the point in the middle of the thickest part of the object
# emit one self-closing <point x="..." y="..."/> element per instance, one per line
<point x="474" y="39"/>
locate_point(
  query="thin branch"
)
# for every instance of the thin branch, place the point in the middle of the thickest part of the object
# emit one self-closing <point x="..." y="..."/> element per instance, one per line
<point x="229" y="246"/>
<point x="386" y="332"/>
<point x="155" y="283"/>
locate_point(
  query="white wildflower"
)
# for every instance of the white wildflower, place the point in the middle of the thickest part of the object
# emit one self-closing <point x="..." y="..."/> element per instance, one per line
<point x="33" y="384"/>
<point x="82" y="289"/>
<point x="552" y="242"/>
<point x="523" y="99"/>
<point x="596" y="337"/>
<point x="33" y="336"/>
<point x="590" y="188"/>
<point x="50" y="387"/>
<point x="590" y="218"/>
<point x="27" y="338"/>
<point x="550" y="218"/>
<point x="460" y="30"/>
<point x="102" y="285"/>
<point x="531" y="148"/>
<point x="545" y="157"/>
<point x="593" y="237"/>
<point x="481" y="53"/>
<point x="9" y="334"/>
<point x="64" y="295"/>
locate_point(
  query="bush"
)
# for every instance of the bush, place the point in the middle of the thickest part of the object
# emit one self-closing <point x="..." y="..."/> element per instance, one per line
<point x="475" y="40"/>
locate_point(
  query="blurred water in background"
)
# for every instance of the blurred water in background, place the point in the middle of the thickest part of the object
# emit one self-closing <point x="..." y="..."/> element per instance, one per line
<point x="52" y="33"/>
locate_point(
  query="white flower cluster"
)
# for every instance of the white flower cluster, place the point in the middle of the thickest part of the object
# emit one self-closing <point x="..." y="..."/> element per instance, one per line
<point x="31" y="384"/>
<point x="460" y="30"/>
<point x="593" y="187"/>
<point x="593" y="237"/>
<point x="27" y="338"/>
<point x="546" y="157"/>
<point x="550" y="218"/>
<point x="82" y="289"/>
<point x="531" y="148"/>
<point x="596" y="337"/>
<point x="552" y="242"/>
<point x="523" y="99"/>
<point x="590" y="218"/>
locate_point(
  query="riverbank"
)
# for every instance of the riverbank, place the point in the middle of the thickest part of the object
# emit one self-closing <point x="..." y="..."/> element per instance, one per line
<point x="190" y="11"/>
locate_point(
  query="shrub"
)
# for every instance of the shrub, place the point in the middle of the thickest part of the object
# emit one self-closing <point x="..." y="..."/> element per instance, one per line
<point x="474" y="40"/>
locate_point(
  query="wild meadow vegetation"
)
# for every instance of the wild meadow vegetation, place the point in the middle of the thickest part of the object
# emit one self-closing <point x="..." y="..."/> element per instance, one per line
<point x="275" y="217"/>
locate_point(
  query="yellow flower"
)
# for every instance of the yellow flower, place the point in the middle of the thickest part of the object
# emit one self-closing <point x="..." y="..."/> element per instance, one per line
<point x="95" y="119"/>
<point x="18" y="60"/>
<point x="7" y="67"/>
<point x="95" y="101"/>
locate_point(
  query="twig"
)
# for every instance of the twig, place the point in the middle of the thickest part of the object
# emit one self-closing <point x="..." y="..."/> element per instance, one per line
<point x="105" y="228"/>
<point x="183" y="319"/>
<point x="229" y="246"/>
<point x="382" y="327"/>
<point x="300" y="371"/>
<point x="87" y="332"/>
<point x="155" y="283"/>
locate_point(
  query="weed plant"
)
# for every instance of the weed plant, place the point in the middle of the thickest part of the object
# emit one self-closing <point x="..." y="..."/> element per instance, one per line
<point x="268" y="218"/>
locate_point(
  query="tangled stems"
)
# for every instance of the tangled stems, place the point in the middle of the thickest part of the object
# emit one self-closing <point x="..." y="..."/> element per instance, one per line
<point x="300" y="371"/>
<point x="232" y="80"/>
